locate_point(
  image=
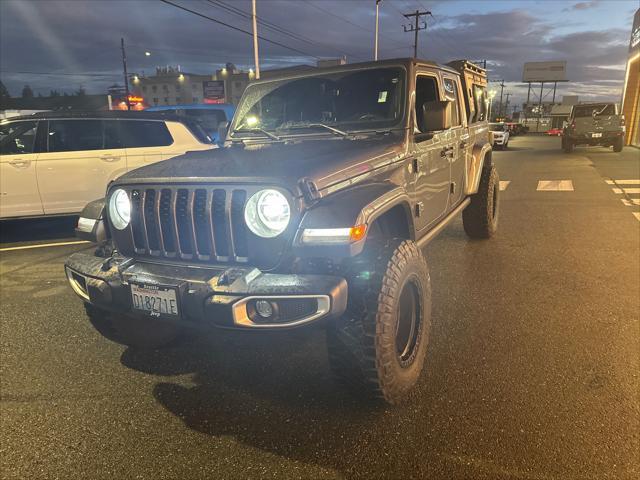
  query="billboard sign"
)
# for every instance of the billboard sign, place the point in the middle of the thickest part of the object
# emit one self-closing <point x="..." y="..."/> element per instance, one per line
<point x="545" y="72"/>
<point x="213" y="91"/>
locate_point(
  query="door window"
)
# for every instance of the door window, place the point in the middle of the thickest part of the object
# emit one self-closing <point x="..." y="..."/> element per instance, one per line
<point x="451" y="93"/>
<point x="426" y="91"/>
<point x="142" y="133"/>
<point x="17" y="138"/>
<point x="480" y="103"/>
<point x="75" y="135"/>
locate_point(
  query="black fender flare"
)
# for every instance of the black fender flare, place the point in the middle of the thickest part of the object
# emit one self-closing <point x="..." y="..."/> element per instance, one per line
<point x="357" y="205"/>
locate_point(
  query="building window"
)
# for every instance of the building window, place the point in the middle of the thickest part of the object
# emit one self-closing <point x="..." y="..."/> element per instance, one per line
<point x="165" y="88"/>
<point x="178" y="88"/>
<point x="195" y="99"/>
<point x="155" y="101"/>
<point x="166" y="100"/>
<point x="144" y="88"/>
<point x="154" y="88"/>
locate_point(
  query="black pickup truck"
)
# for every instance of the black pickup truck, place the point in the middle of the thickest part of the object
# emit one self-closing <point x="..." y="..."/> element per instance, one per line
<point x="314" y="213"/>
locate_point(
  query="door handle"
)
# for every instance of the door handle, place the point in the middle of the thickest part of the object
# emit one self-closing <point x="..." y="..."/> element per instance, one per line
<point x="20" y="163"/>
<point x="446" y="152"/>
<point x="109" y="158"/>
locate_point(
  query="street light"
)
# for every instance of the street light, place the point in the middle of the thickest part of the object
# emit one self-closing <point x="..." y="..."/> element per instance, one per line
<point x="492" y="93"/>
<point x="375" y="48"/>
<point x="147" y="54"/>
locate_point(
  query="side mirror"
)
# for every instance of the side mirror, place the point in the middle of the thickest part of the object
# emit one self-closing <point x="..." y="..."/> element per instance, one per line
<point x="435" y="116"/>
<point x="223" y="129"/>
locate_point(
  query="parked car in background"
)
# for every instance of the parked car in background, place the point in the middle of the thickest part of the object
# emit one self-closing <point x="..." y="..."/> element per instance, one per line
<point x="554" y="132"/>
<point x="500" y="133"/>
<point x="210" y="116"/>
<point x="594" y="124"/>
<point x="54" y="163"/>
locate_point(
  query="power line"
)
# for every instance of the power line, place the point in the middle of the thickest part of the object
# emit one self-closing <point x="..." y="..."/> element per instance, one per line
<point x="63" y="74"/>
<point x="272" y="26"/>
<point x="246" y="32"/>
<point x="416" y="28"/>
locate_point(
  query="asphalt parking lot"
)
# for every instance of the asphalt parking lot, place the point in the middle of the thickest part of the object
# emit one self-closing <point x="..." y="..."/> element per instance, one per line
<point x="533" y="369"/>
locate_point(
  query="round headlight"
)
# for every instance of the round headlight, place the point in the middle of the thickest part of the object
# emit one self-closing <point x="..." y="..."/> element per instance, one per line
<point x="267" y="213"/>
<point x="120" y="209"/>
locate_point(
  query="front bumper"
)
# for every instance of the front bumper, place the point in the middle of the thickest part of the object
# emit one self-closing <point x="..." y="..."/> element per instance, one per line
<point x="209" y="297"/>
<point x="499" y="140"/>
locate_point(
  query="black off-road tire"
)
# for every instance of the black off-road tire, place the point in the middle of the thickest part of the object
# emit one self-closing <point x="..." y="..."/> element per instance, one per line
<point x="132" y="331"/>
<point x="567" y="145"/>
<point x="480" y="218"/>
<point x="618" y="144"/>
<point x="363" y="345"/>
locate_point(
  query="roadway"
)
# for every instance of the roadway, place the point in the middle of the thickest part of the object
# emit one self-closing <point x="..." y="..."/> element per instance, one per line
<point x="532" y="372"/>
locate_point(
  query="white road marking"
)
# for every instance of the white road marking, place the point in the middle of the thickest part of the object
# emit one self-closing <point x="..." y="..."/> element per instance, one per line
<point x="43" y="245"/>
<point x="637" y="215"/>
<point x="625" y="182"/>
<point x="504" y="184"/>
<point x="630" y="203"/>
<point x="555" y="186"/>
<point x="625" y="190"/>
<point x="610" y="182"/>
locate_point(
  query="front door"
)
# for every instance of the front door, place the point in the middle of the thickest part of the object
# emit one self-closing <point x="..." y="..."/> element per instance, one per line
<point x="77" y="167"/>
<point x="19" y="196"/>
<point x="432" y="150"/>
<point x="459" y="139"/>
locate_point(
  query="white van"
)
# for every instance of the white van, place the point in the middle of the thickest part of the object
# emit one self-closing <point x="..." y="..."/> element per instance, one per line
<point x="54" y="164"/>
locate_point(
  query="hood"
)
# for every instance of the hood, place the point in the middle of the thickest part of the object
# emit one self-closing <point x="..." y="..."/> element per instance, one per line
<point x="323" y="161"/>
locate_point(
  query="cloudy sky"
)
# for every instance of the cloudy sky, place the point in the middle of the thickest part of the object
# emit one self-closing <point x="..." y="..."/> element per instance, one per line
<point x="67" y="44"/>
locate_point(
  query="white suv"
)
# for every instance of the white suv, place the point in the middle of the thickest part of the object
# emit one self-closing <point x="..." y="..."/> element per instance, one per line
<point x="52" y="163"/>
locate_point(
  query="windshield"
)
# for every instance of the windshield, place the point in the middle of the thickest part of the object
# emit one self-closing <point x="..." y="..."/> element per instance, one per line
<point x="356" y="100"/>
<point x="591" y="110"/>
<point x="497" y="127"/>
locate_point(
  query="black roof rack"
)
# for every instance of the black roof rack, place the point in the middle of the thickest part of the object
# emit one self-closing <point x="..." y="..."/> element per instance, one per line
<point x="124" y="114"/>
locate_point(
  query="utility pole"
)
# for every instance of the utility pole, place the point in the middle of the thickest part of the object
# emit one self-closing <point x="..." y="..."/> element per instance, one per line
<point x="375" y="44"/>
<point x="416" y="28"/>
<point x="255" y="38"/>
<point x="506" y="104"/>
<point x="126" y="76"/>
<point x="500" y="105"/>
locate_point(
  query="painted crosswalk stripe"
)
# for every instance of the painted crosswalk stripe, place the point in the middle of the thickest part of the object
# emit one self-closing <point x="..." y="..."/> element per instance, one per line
<point x="625" y="190"/>
<point x="504" y="184"/>
<point x="637" y="214"/>
<point x="628" y="181"/>
<point x="555" y="186"/>
<point x="630" y="203"/>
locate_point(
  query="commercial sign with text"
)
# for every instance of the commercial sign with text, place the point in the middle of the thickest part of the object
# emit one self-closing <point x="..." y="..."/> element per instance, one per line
<point x="545" y="72"/>
<point x="213" y="91"/>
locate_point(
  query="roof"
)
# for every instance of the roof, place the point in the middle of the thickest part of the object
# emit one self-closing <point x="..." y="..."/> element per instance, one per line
<point x="405" y="62"/>
<point x="225" y="107"/>
<point x="123" y="114"/>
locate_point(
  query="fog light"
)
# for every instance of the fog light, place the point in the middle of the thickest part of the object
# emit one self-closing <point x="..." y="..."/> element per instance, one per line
<point x="264" y="308"/>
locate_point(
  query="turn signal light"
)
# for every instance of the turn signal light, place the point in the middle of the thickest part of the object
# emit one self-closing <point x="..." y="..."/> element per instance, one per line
<point x="357" y="233"/>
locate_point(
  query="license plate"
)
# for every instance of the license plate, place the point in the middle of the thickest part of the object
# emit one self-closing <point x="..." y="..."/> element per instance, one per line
<point x="154" y="299"/>
<point x="596" y="135"/>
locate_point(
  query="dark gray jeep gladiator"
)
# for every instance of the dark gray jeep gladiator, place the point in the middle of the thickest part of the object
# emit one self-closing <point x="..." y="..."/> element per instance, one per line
<point x="314" y="213"/>
<point x="594" y="124"/>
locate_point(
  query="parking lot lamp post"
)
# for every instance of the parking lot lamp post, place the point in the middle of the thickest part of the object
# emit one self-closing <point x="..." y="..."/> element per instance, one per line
<point x="375" y="44"/>
<point x="126" y="77"/>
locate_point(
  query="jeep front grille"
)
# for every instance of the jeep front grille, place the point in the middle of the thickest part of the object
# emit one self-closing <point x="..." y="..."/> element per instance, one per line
<point x="198" y="223"/>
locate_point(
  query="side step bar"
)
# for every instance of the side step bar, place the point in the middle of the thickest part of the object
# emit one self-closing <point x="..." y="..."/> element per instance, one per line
<point x="431" y="234"/>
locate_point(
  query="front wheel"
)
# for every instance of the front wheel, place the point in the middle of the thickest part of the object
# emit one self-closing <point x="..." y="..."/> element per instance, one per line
<point x="480" y="217"/>
<point x="132" y="331"/>
<point x="378" y="347"/>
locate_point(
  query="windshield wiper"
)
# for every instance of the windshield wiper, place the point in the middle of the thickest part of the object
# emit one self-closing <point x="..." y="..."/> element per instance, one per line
<point x="337" y="131"/>
<point x="258" y="130"/>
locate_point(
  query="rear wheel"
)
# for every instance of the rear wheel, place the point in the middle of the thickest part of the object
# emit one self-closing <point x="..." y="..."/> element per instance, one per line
<point x="378" y="347"/>
<point x="480" y="218"/>
<point x="618" y="144"/>
<point x="567" y="145"/>
<point x="133" y="331"/>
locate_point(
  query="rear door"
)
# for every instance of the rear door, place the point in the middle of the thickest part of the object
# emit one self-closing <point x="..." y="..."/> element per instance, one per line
<point x="146" y="141"/>
<point x="19" y="194"/>
<point x="77" y="167"/>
